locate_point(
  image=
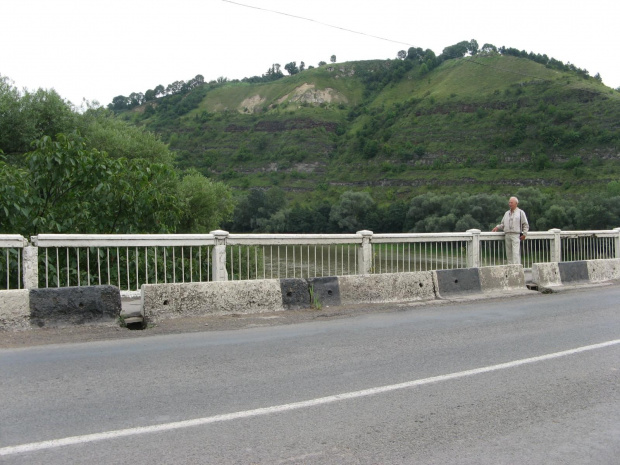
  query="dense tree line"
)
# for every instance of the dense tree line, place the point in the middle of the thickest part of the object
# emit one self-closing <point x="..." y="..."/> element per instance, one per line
<point x="64" y="171"/>
<point x="267" y="211"/>
<point x="428" y="61"/>
<point x="121" y="102"/>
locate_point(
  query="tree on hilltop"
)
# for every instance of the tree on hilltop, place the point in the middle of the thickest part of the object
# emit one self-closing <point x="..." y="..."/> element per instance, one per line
<point x="291" y="68"/>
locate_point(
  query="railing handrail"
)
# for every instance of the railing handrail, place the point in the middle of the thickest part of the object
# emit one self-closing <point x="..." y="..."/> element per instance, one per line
<point x="384" y="238"/>
<point x="122" y="240"/>
<point x="292" y="239"/>
<point x="593" y="233"/>
<point x="530" y="234"/>
<point x="12" y="241"/>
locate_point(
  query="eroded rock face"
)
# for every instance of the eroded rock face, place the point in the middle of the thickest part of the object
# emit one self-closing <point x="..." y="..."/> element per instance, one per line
<point x="307" y="93"/>
<point x="252" y="104"/>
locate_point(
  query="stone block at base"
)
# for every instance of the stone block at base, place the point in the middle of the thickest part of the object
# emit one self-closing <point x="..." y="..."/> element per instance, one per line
<point x="162" y="301"/>
<point x="603" y="270"/>
<point x="546" y="274"/>
<point x="295" y="294"/>
<point x="457" y="282"/>
<point x="325" y="290"/>
<point x="571" y="272"/>
<point x="15" y="309"/>
<point x="502" y="278"/>
<point x="388" y="287"/>
<point x="67" y="306"/>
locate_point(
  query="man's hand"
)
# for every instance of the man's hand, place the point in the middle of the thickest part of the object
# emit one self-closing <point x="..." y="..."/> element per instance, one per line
<point x="522" y="237"/>
<point x="494" y="229"/>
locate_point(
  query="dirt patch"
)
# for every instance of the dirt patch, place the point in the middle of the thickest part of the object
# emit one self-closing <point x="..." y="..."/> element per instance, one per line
<point x="307" y="93"/>
<point x="249" y="104"/>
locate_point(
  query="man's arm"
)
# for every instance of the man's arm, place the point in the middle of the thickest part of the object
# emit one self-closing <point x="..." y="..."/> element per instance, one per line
<point x="525" y="226"/>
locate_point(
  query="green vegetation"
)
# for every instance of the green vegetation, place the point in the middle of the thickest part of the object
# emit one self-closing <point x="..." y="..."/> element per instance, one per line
<point x="425" y="142"/>
<point x="62" y="171"/>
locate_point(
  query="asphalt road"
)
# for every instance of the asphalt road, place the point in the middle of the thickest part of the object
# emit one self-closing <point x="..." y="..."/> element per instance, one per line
<point x="533" y="379"/>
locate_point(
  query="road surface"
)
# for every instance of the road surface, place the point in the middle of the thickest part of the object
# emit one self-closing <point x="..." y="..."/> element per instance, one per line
<point x="533" y="379"/>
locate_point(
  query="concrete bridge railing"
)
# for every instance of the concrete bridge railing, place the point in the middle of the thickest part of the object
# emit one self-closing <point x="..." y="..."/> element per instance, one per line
<point x="129" y="261"/>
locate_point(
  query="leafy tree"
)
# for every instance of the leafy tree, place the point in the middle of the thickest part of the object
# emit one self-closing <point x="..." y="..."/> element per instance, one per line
<point x="119" y="103"/>
<point x="473" y="47"/>
<point x="466" y="222"/>
<point x="136" y="197"/>
<point x="160" y="91"/>
<point x="302" y="66"/>
<point x="456" y="51"/>
<point x="149" y="95"/>
<point x="291" y="68"/>
<point x="120" y="139"/>
<point x="333" y="59"/>
<point x="401" y="55"/>
<point x="256" y="208"/>
<point x="489" y="48"/>
<point x="321" y="63"/>
<point x="67" y="187"/>
<point x="206" y="204"/>
<point x="273" y="73"/>
<point x="415" y="53"/>
<point x="27" y="116"/>
<point x="352" y="211"/>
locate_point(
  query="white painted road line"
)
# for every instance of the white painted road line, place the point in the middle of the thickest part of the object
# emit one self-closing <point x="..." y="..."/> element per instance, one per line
<point x="36" y="446"/>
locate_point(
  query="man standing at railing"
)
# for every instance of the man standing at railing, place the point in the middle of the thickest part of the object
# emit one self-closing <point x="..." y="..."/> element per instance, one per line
<point x="515" y="226"/>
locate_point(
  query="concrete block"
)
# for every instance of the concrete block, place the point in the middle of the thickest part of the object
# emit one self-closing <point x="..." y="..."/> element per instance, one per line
<point x="67" y="306"/>
<point x="326" y="290"/>
<point x="15" y="309"/>
<point x="161" y="301"/>
<point x="573" y="271"/>
<point x="458" y="281"/>
<point x="546" y="274"/>
<point x="388" y="287"/>
<point x="603" y="270"/>
<point x="295" y="293"/>
<point x="502" y="278"/>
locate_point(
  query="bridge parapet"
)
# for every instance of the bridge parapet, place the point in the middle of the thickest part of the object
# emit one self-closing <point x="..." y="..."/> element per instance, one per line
<point x="129" y="261"/>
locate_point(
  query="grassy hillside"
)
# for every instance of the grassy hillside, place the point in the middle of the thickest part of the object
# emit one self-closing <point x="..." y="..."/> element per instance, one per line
<point x="475" y="124"/>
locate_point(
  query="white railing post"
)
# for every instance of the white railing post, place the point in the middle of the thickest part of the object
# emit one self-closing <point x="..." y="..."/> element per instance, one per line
<point x="364" y="261"/>
<point x="30" y="266"/>
<point x="219" y="256"/>
<point x="556" y="245"/>
<point x="473" y="251"/>
<point x="617" y="242"/>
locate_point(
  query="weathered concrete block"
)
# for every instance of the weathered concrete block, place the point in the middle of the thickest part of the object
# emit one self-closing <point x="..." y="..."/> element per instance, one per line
<point x="161" y="301"/>
<point x="546" y="274"/>
<point x="295" y="293"/>
<point x="573" y="271"/>
<point x="15" y="309"/>
<point x="326" y="290"/>
<point x="68" y="306"/>
<point x="388" y="287"/>
<point x="458" y="281"/>
<point x="603" y="270"/>
<point x="502" y="278"/>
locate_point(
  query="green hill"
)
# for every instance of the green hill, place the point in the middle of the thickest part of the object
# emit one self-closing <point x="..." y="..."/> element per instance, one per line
<point x="474" y="124"/>
<point x="394" y="130"/>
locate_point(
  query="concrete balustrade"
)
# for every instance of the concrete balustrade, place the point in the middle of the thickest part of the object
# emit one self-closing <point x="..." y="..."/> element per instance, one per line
<point x="584" y="271"/>
<point x="223" y="296"/>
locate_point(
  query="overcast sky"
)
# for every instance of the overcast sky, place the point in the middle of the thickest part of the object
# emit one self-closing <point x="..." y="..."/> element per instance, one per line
<point x="96" y="50"/>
